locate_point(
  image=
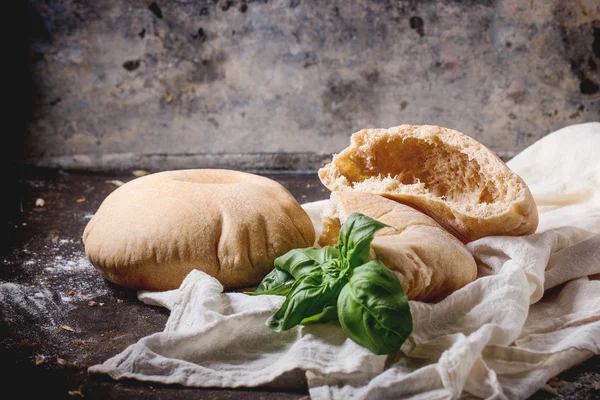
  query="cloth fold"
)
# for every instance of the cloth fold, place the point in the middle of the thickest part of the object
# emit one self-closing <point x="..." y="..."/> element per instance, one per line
<point x="532" y="313"/>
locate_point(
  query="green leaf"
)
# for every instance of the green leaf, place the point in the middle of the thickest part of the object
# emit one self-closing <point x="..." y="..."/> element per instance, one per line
<point x="328" y="314"/>
<point x="356" y="235"/>
<point x="373" y="309"/>
<point x="277" y="282"/>
<point x="308" y="297"/>
<point x="291" y="266"/>
<point x="301" y="262"/>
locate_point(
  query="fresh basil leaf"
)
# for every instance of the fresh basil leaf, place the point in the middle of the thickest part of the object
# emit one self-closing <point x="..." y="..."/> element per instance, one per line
<point x="356" y="235"/>
<point x="321" y="255"/>
<point x="293" y="265"/>
<point x="373" y="309"/>
<point x="309" y="295"/>
<point x="328" y="314"/>
<point x="277" y="282"/>
<point x="301" y="262"/>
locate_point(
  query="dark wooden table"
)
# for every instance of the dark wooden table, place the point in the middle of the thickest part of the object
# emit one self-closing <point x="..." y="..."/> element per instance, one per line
<point x="58" y="316"/>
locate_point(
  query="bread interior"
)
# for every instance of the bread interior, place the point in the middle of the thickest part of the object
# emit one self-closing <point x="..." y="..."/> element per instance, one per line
<point x="417" y="166"/>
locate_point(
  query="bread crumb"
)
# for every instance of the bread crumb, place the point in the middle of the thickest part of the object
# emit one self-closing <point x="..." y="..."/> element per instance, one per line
<point x="39" y="360"/>
<point x="40" y="202"/>
<point x="75" y="365"/>
<point x="168" y="97"/>
<point x="81" y="200"/>
<point x="554" y="382"/>
<point x="75" y="393"/>
<point x="140" y="172"/>
<point x="61" y="362"/>
<point x="92" y="303"/>
<point x="53" y="237"/>
<point x="116" y="182"/>
<point x="119" y="301"/>
<point x="549" y="389"/>
<point x="25" y="344"/>
<point x="71" y="293"/>
<point x="67" y="328"/>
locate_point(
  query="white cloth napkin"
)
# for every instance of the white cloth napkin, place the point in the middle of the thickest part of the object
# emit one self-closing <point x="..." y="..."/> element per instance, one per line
<point x="532" y="313"/>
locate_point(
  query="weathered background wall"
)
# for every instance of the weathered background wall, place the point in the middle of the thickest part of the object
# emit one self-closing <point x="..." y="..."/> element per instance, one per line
<point x="281" y="84"/>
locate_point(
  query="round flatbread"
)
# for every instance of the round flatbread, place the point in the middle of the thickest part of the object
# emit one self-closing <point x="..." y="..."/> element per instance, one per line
<point x="152" y="231"/>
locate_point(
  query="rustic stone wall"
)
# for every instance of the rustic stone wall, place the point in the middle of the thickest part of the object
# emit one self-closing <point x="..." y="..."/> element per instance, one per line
<point x="281" y="84"/>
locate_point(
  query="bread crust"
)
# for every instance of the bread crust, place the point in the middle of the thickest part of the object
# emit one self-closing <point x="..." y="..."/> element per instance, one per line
<point x="429" y="261"/>
<point x="152" y="231"/>
<point x="443" y="173"/>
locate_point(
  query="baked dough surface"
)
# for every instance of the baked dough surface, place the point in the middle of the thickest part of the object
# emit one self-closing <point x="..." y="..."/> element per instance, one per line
<point x="152" y="231"/>
<point x="429" y="262"/>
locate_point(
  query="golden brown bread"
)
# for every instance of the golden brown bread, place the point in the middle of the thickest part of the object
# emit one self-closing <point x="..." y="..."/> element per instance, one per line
<point x="428" y="260"/>
<point x="445" y="174"/>
<point x="152" y="231"/>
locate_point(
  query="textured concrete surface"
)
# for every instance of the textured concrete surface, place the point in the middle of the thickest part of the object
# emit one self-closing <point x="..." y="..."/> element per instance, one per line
<point x="148" y="83"/>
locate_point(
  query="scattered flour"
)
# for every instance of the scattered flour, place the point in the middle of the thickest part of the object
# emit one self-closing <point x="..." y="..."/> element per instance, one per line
<point x="36" y="183"/>
<point x="58" y="276"/>
<point x="69" y="274"/>
<point x="46" y="303"/>
<point x="75" y="273"/>
<point x="62" y="265"/>
<point x="19" y="302"/>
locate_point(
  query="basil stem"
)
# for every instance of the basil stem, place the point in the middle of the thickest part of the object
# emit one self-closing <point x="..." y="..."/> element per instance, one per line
<point x="329" y="314"/>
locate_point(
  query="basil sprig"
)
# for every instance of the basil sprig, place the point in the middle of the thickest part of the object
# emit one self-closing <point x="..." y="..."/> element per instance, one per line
<point x="337" y="284"/>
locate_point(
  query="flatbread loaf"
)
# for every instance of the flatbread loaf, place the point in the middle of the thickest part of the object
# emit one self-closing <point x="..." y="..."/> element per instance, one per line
<point x="445" y="174"/>
<point x="152" y="231"/>
<point x="429" y="261"/>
